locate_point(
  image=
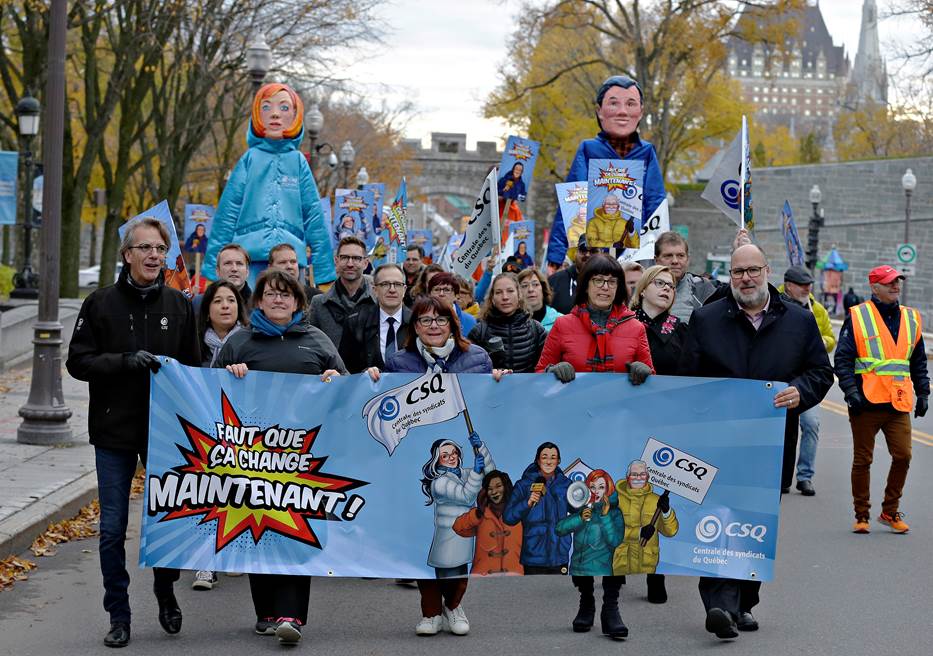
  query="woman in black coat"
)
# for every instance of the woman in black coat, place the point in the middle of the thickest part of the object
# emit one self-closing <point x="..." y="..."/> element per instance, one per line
<point x="652" y="301"/>
<point x="505" y="316"/>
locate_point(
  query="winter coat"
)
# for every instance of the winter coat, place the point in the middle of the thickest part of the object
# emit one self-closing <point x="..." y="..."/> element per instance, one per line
<point x="594" y="541"/>
<point x="564" y="289"/>
<point x="498" y="546"/>
<point x="114" y="322"/>
<point x="333" y="310"/>
<point x="821" y="316"/>
<point x="548" y="318"/>
<point x="846" y="353"/>
<point x="666" y="336"/>
<point x="270" y="199"/>
<point x="541" y="545"/>
<point x="454" y="496"/>
<point x="570" y="340"/>
<point x="473" y="361"/>
<point x="522" y="339"/>
<point x="638" y="507"/>
<point x="787" y="347"/>
<point x="361" y="338"/>
<point x="303" y="349"/>
<point x="692" y="292"/>
<point x="600" y="148"/>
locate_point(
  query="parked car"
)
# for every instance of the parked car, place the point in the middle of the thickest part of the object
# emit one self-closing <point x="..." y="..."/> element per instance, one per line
<point x="90" y="277"/>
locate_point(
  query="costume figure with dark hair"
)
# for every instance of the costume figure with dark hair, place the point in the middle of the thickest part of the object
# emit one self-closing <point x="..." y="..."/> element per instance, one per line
<point x="619" y="109"/>
<point x="271" y="196"/>
<point x="511" y="184"/>
<point x="498" y="546"/>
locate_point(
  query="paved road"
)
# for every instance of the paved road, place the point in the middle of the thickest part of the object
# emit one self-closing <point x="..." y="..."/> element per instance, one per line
<point x="835" y="593"/>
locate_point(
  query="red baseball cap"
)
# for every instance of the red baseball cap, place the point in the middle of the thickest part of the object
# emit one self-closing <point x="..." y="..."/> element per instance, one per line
<point x="884" y="274"/>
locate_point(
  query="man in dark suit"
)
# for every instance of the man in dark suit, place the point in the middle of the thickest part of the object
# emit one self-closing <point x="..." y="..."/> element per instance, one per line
<point x="377" y="331"/>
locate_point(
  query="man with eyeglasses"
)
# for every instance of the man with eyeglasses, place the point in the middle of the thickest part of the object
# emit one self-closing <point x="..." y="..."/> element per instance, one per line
<point x="121" y="331"/>
<point x="752" y="333"/>
<point x="881" y="365"/>
<point x="619" y="108"/>
<point x="332" y="310"/>
<point x="377" y="331"/>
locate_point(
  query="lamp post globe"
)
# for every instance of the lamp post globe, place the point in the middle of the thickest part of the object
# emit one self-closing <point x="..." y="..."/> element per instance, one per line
<point x="347" y="155"/>
<point x="27" y="114"/>
<point x="258" y="61"/>
<point x="362" y="177"/>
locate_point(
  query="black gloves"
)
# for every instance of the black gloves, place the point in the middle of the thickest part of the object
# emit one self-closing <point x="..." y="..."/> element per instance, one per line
<point x="923" y="404"/>
<point x="646" y="532"/>
<point x="563" y="371"/>
<point x="664" y="502"/>
<point x="638" y="372"/>
<point x="856" y="403"/>
<point x="142" y="360"/>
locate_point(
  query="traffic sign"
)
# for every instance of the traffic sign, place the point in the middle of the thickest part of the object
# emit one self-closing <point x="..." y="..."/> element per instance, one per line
<point x="906" y="253"/>
<point x="908" y="270"/>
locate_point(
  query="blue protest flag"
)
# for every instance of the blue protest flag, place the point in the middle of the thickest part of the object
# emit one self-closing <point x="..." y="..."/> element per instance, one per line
<point x="791" y="238"/>
<point x="8" y="168"/>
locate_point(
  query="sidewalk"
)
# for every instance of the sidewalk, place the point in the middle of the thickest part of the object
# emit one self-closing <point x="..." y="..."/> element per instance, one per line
<point x="40" y="484"/>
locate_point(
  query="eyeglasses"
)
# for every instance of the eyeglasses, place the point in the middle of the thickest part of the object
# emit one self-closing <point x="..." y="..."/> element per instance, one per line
<point x="442" y="290"/>
<point x="753" y="272"/>
<point x="271" y="295"/>
<point x="390" y="285"/>
<point x="663" y="284"/>
<point x="356" y="259"/>
<point x="161" y="249"/>
<point x="425" y="322"/>
<point x="605" y="283"/>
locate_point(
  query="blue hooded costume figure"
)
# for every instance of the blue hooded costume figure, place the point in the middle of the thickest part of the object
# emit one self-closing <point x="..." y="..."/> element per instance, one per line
<point x="654" y="192"/>
<point x="271" y="198"/>
<point x="541" y="545"/>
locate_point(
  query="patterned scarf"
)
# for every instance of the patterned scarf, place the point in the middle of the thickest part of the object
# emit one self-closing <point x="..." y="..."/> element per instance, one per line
<point x="599" y="358"/>
<point x="436" y="356"/>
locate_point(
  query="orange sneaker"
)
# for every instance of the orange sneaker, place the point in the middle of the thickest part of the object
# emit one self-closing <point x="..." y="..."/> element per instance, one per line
<point x="895" y="521"/>
<point x="861" y="525"/>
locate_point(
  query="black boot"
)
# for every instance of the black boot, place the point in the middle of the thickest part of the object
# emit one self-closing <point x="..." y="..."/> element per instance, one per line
<point x="586" y="615"/>
<point x="657" y="593"/>
<point x="609" y="616"/>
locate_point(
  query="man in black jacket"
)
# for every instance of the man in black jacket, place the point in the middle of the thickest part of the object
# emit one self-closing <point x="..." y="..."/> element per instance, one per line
<point x="753" y="334"/>
<point x="564" y="282"/>
<point x="119" y="334"/>
<point x="377" y="331"/>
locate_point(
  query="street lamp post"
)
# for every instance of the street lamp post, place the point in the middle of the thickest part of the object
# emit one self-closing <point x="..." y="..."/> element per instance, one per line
<point x="27" y="113"/>
<point x="347" y="155"/>
<point x="362" y="178"/>
<point x="314" y="123"/>
<point x="813" y="229"/>
<point x="258" y="61"/>
<point x="909" y="183"/>
<point x="45" y="415"/>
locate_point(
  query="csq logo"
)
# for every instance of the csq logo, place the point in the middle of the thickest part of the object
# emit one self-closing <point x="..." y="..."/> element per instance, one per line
<point x="388" y="408"/>
<point x="663" y="457"/>
<point x="710" y="528"/>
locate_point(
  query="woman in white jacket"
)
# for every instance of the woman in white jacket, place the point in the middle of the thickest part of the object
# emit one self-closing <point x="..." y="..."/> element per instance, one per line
<point x="453" y="492"/>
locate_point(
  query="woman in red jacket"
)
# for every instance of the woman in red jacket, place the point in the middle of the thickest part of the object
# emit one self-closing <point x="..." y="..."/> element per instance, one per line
<point x="599" y="335"/>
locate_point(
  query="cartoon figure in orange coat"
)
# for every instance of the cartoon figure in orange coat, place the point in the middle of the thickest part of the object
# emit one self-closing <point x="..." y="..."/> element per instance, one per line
<point x="498" y="545"/>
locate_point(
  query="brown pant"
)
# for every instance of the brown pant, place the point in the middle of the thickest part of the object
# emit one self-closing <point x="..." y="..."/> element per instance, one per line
<point x="897" y="433"/>
<point x="434" y="592"/>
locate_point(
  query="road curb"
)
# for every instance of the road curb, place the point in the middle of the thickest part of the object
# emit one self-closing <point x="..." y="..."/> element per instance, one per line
<point x="19" y="530"/>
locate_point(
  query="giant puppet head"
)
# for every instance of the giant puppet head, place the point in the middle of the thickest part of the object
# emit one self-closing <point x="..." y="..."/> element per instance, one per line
<point x="277" y="112"/>
<point x="619" y="106"/>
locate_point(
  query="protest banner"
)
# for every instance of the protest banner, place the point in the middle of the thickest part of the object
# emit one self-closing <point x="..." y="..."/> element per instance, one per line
<point x="353" y="216"/>
<point x="9" y="162"/>
<point x="791" y="237"/>
<point x="425" y="239"/>
<point x="446" y="257"/>
<point x="516" y="170"/>
<point x="522" y="234"/>
<point x="658" y="223"/>
<point x="198" y="222"/>
<point x="614" y="204"/>
<point x="482" y="232"/>
<point x="176" y="273"/>
<point x="730" y="185"/>
<point x="378" y="190"/>
<point x="397" y="218"/>
<point x="571" y="196"/>
<point x="282" y="473"/>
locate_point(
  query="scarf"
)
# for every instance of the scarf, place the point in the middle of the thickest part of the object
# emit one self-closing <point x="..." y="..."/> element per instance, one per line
<point x="436" y="357"/>
<point x="441" y="469"/>
<point x="144" y="291"/>
<point x="213" y="341"/>
<point x="666" y="321"/>
<point x="599" y="357"/>
<point x="261" y="323"/>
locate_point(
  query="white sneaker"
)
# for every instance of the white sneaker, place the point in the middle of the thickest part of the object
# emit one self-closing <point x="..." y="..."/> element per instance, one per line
<point x="456" y="620"/>
<point x="429" y="626"/>
<point x="204" y="579"/>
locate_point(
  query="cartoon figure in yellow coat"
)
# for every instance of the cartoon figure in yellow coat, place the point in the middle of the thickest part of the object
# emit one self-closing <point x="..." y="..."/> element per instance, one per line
<point x="609" y="228"/>
<point x="639" y="551"/>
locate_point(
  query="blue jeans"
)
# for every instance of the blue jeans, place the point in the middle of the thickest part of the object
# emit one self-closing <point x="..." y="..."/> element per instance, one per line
<point x="115" y="470"/>
<point x="809" y="436"/>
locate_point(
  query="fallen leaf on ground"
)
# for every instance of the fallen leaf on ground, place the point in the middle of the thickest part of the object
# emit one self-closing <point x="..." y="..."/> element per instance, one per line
<point x="82" y="525"/>
<point x="14" y="569"/>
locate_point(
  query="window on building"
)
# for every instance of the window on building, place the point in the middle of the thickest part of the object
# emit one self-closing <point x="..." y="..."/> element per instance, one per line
<point x="806" y="112"/>
<point x="754" y="98"/>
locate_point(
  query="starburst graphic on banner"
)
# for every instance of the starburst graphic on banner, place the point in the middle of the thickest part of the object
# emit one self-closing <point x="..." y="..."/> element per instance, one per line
<point x="614" y="177"/>
<point x="234" y="520"/>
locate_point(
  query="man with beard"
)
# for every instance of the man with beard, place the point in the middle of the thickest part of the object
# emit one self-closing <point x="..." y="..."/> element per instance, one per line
<point x="754" y="334"/>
